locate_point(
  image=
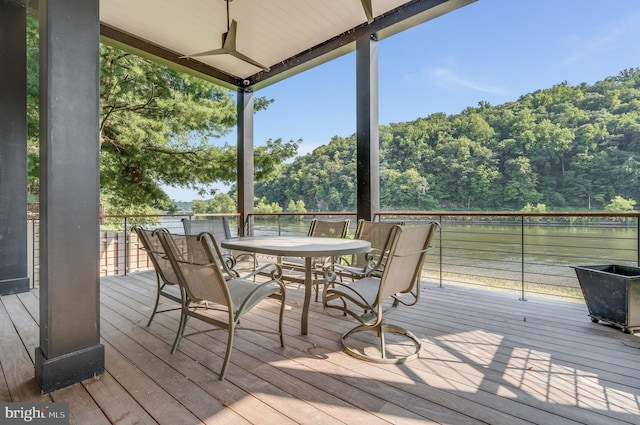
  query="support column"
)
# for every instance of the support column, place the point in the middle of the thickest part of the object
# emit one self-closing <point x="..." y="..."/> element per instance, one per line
<point x="70" y="349"/>
<point x="13" y="147"/>
<point x="367" y="132"/>
<point x="245" y="159"/>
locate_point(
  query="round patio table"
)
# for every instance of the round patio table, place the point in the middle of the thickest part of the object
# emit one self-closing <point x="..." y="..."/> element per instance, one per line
<point x="299" y="246"/>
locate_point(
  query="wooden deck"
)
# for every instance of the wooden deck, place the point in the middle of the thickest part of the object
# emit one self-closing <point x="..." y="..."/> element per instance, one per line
<point x="488" y="358"/>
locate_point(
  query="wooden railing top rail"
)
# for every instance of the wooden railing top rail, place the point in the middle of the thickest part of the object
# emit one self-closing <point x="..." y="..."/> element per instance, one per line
<point x="172" y="215"/>
<point x="391" y="214"/>
<point x="308" y="214"/>
<point x="508" y="214"/>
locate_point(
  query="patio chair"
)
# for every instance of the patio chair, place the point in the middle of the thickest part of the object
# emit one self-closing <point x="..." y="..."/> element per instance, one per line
<point x="197" y="269"/>
<point x="398" y="284"/>
<point x="219" y="227"/>
<point x="295" y="266"/>
<point x="329" y="228"/>
<point x="377" y="233"/>
<point x="164" y="271"/>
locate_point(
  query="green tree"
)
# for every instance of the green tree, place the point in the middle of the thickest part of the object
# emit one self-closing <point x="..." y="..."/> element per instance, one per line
<point x="296" y="207"/>
<point x="466" y="171"/>
<point x="407" y="190"/>
<point x="621" y="205"/>
<point x="221" y="203"/>
<point x="520" y="183"/>
<point x="199" y="206"/>
<point x="264" y="207"/>
<point x="158" y="127"/>
<point x="563" y="147"/>
<point x="537" y="208"/>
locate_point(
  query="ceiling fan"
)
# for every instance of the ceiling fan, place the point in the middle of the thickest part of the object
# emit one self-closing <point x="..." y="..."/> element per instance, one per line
<point x="368" y="10"/>
<point x="229" y="45"/>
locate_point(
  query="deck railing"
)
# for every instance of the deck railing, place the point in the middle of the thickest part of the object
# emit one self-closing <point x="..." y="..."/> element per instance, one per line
<point x="528" y="254"/>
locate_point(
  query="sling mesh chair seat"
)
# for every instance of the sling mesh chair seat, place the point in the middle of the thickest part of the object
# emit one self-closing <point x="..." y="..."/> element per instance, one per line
<point x="165" y="276"/>
<point x="377" y="233"/>
<point x="198" y="270"/>
<point x="219" y="227"/>
<point x="398" y="284"/>
<point x="294" y="267"/>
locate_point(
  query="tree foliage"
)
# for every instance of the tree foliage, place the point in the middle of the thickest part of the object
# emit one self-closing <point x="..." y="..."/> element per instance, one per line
<point x="221" y="203"/>
<point x="264" y="207"/>
<point x="620" y="205"/>
<point x="566" y="147"/>
<point x="158" y="127"/>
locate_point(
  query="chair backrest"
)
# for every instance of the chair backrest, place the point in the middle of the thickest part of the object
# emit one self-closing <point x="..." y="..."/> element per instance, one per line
<point x="216" y="225"/>
<point x="377" y="234"/>
<point x="153" y="247"/>
<point x="195" y="266"/>
<point x="329" y="228"/>
<point x="408" y="247"/>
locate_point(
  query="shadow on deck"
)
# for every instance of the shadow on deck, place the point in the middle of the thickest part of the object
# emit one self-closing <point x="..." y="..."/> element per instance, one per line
<point x="487" y="358"/>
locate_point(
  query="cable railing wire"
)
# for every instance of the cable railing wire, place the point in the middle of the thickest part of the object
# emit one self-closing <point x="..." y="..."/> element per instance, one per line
<point x="530" y="253"/>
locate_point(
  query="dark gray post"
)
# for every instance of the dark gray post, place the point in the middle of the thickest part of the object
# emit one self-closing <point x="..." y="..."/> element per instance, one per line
<point x="13" y="147"/>
<point x="367" y="132"/>
<point x="245" y="158"/>
<point x="70" y="349"/>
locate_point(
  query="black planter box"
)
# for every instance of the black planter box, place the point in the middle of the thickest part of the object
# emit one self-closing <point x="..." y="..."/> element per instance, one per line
<point x="612" y="294"/>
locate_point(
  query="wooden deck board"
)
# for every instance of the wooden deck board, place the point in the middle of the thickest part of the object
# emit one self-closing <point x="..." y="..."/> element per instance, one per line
<point x="17" y="365"/>
<point x="83" y="409"/>
<point x="404" y="403"/>
<point x="199" y="402"/>
<point x="487" y="358"/>
<point x="200" y="348"/>
<point x="115" y="402"/>
<point x="160" y="404"/>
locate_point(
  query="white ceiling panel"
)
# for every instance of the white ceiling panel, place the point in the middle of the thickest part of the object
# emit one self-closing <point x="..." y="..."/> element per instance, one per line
<point x="271" y="32"/>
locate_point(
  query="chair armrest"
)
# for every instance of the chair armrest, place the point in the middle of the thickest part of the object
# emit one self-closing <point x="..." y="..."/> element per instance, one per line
<point x="191" y="263"/>
<point x="250" y="256"/>
<point x="345" y="271"/>
<point x="230" y="261"/>
<point x="272" y="269"/>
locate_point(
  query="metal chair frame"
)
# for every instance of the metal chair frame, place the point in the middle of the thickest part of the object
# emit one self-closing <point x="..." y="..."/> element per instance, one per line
<point x="199" y="273"/>
<point x="164" y="271"/>
<point x="320" y="229"/>
<point x="400" y="279"/>
<point x="219" y="227"/>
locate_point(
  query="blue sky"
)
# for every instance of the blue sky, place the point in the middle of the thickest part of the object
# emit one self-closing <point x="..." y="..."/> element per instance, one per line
<point x="491" y="50"/>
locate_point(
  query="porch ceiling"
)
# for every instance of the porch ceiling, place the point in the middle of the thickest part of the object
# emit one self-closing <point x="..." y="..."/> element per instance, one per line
<point x="284" y="35"/>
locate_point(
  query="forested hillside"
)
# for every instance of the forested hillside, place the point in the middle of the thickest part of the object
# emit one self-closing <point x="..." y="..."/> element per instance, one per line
<point x="567" y="147"/>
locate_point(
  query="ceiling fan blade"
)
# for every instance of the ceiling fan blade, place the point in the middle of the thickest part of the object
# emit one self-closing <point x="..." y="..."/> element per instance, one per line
<point x="229" y="48"/>
<point x="229" y="42"/>
<point x="207" y="53"/>
<point x="368" y="10"/>
<point x="237" y="54"/>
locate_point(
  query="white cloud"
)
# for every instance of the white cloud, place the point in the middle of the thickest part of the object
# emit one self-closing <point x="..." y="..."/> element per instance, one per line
<point x="447" y="77"/>
<point x="584" y="48"/>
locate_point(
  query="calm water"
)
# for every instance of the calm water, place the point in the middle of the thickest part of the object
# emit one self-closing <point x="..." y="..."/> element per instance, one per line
<point x="547" y="243"/>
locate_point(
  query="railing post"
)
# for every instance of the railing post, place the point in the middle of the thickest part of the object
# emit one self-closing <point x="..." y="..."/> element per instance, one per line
<point x="279" y="225"/>
<point x="126" y="247"/>
<point x="440" y="235"/>
<point x="33" y="256"/>
<point x="638" y="240"/>
<point x="522" y="297"/>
